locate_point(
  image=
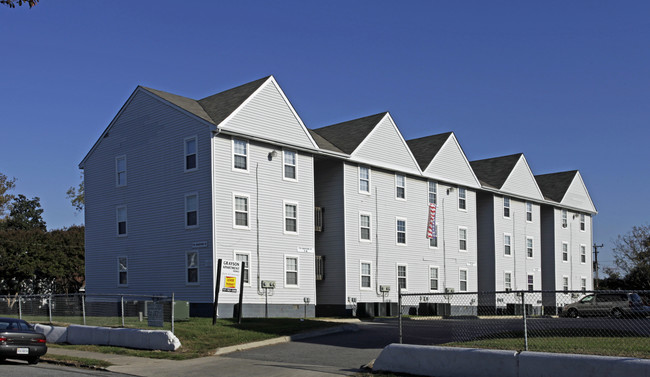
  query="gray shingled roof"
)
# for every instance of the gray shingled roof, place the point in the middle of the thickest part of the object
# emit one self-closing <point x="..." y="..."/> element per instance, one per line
<point x="555" y="185"/>
<point x="348" y="135"/>
<point x="493" y="172"/>
<point x="323" y="143"/>
<point x="425" y="148"/>
<point x="215" y="108"/>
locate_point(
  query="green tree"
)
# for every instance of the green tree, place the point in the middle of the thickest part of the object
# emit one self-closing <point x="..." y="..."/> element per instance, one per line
<point x="25" y="214"/>
<point x="12" y="3"/>
<point x="632" y="250"/>
<point x="6" y="184"/>
<point x="77" y="195"/>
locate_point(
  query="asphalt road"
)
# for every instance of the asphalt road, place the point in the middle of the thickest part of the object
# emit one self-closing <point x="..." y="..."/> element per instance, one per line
<point x="12" y="368"/>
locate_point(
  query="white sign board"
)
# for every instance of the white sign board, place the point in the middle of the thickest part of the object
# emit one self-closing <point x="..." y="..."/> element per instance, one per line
<point x="230" y="275"/>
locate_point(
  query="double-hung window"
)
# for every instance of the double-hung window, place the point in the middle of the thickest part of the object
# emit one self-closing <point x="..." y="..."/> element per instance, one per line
<point x="366" y="275"/>
<point x="583" y="254"/>
<point x="290" y="217"/>
<point x="529" y="212"/>
<point x="400" y="186"/>
<point x="433" y="192"/>
<point x="582" y="222"/>
<point x="364" y="179"/>
<point x="121" y="221"/>
<point x="192" y="265"/>
<point x="120" y="171"/>
<point x="433" y="278"/>
<point x="241" y="211"/>
<point x="507" y="281"/>
<point x="463" y="280"/>
<point x="240" y="154"/>
<point x="462" y="239"/>
<point x="462" y="199"/>
<point x="565" y="283"/>
<point x="401" y="231"/>
<point x="122" y="271"/>
<point x="583" y="284"/>
<point x="507" y="244"/>
<point x="291" y="271"/>
<point x="364" y="227"/>
<point x="531" y="280"/>
<point x="245" y="258"/>
<point x="433" y="241"/>
<point x="401" y="277"/>
<point x="191" y="210"/>
<point x="529" y="247"/>
<point x="191" y="162"/>
<point x="506" y="207"/>
<point x="289" y="164"/>
<point x="565" y="252"/>
<point x="565" y="220"/>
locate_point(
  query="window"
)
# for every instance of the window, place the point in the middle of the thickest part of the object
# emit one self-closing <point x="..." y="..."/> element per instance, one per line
<point x="433" y="241"/>
<point x="506" y="207"/>
<point x="121" y="221"/>
<point x="289" y="165"/>
<point x="190" y="154"/>
<point x="291" y="271"/>
<point x="400" y="186"/>
<point x="364" y="227"/>
<point x="120" y="171"/>
<point x="463" y="280"/>
<point x="192" y="265"/>
<point x="462" y="199"/>
<point x="565" y="283"/>
<point x="507" y="281"/>
<point x="507" y="246"/>
<point x="319" y="225"/>
<point x="401" y="277"/>
<point x="244" y="257"/>
<point x="564" y="218"/>
<point x="583" y="284"/>
<point x="582" y="222"/>
<point x="241" y="211"/>
<point x="462" y="239"/>
<point x="364" y="179"/>
<point x="531" y="280"/>
<point x="240" y="154"/>
<point x="366" y="275"/>
<point x="122" y="271"/>
<point x="290" y="218"/>
<point x="191" y="210"/>
<point x="565" y="252"/>
<point x="529" y="247"/>
<point x="320" y="267"/>
<point x="583" y="254"/>
<point x="433" y="192"/>
<point x="433" y="278"/>
<point x="401" y="231"/>
<point x="529" y="212"/>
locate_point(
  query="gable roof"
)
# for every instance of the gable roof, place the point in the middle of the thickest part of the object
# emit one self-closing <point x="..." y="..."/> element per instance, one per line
<point x="555" y="185"/>
<point x="323" y="143"/>
<point x="425" y="148"/>
<point x="493" y="172"/>
<point x="347" y="136"/>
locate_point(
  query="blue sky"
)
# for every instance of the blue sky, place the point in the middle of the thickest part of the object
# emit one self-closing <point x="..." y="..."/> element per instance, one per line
<point x="566" y="83"/>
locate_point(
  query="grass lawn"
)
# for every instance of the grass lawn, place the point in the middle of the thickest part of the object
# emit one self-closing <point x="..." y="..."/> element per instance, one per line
<point x="200" y="338"/>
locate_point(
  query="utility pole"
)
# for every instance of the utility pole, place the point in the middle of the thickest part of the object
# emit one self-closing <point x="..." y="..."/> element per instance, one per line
<point x="596" y="247"/>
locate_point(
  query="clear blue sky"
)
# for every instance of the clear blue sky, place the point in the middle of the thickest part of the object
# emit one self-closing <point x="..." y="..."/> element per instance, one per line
<point x="565" y="82"/>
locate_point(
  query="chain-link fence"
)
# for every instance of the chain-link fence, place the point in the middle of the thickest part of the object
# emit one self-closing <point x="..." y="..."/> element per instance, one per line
<point x="591" y="322"/>
<point x="134" y="311"/>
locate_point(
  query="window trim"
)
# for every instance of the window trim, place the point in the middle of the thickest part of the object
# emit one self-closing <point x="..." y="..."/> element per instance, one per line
<point x="507" y="207"/>
<point x="361" y="239"/>
<point x="583" y="253"/>
<point x="437" y="278"/>
<point x="466" y="249"/>
<point x="196" y="154"/>
<point x="369" y="179"/>
<point x="505" y="287"/>
<point x="530" y="287"/>
<point x="248" y="266"/>
<point x="397" y="232"/>
<point x="406" y="276"/>
<point x="508" y="244"/>
<point x="117" y="221"/>
<point x="117" y="171"/>
<point x="361" y="275"/>
<point x="236" y="195"/>
<point x="284" y="217"/>
<point x="197" y="210"/>
<point x="583" y="279"/>
<point x="567" y="252"/>
<point x="530" y="255"/>
<point x="397" y="186"/>
<point x="297" y="258"/>
<point x="583" y="223"/>
<point x="564" y="218"/>
<point x="529" y="212"/>
<point x="119" y="270"/>
<point x="187" y="268"/>
<point x="463" y="199"/>
<point x="247" y="155"/>
<point x="285" y="164"/>
<point x="434" y="192"/>
<point x="568" y="283"/>
<point x="460" y="280"/>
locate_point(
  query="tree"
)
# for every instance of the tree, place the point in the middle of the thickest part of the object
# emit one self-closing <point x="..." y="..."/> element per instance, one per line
<point x="6" y="184"/>
<point x="632" y="249"/>
<point x="77" y="195"/>
<point x="12" y="3"/>
<point x="25" y="214"/>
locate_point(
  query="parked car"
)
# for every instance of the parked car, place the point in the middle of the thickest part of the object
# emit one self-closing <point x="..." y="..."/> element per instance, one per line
<point x="616" y="304"/>
<point x="18" y="340"/>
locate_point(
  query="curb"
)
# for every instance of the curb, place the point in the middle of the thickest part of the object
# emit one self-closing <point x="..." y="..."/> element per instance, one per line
<point x="284" y="339"/>
<point x="74" y="365"/>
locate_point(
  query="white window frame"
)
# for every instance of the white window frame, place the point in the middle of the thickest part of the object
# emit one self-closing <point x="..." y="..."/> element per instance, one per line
<point x="460" y="279"/>
<point x="247" y="155"/>
<point x="530" y="286"/>
<point x="583" y="254"/>
<point x="437" y="235"/>
<point x="529" y="212"/>
<point x="507" y="285"/>
<point x="286" y="164"/>
<point x="565" y="252"/>
<point x="397" y="231"/>
<point x="361" y="275"/>
<point x="437" y="278"/>
<point x="460" y="239"/>
<point x="400" y="185"/>
<point x="583" y="283"/>
<point x="236" y="195"/>
<point x="433" y="192"/>
<point x="405" y="277"/>
<point x="248" y="265"/>
<point x="462" y="198"/>
<point x="120" y="270"/>
<point x="369" y="227"/>
<point x="360" y="168"/>
<point x="567" y="286"/>
<point x="583" y="223"/>
<point x="187" y="268"/>
<point x="187" y="154"/>
<point x="297" y="271"/>
<point x="507" y="244"/>
<point x="118" y="171"/>
<point x="286" y="203"/>
<point x="530" y="250"/>
<point x="565" y="218"/>
<point x="507" y="208"/>
<point x="188" y="195"/>
<point x="117" y="221"/>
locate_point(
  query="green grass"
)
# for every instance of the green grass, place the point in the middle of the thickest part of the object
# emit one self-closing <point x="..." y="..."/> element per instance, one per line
<point x="77" y="361"/>
<point x="200" y="338"/>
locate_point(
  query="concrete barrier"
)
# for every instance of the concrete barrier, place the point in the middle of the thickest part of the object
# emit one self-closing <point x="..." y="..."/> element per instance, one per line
<point x="53" y="334"/>
<point x="470" y="362"/>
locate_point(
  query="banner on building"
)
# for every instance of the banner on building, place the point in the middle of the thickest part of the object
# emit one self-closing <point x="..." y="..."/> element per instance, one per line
<point x="431" y="227"/>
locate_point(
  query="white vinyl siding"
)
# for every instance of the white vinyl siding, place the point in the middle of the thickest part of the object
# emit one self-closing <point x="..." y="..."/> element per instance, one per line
<point x="121" y="221"/>
<point x="191" y="210"/>
<point x="192" y="267"/>
<point x="239" y="154"/>
<point x="290" y="218"/>
<point x="400" y="186"/>
<point x="366" y="275"/>
<point x="191" y="157"/>
<point x="120" y="171"/>
<point x="289" y="165"/>
<point x="122" y="271"/>
<point x="241" y="211"/>
<point x="364" y="179"/>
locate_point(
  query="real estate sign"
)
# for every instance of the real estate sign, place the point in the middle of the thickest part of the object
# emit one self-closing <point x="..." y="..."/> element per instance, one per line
<point x="230" y="275"/>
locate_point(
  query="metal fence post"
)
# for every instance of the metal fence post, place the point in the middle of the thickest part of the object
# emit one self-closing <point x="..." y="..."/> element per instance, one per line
<point x="523" y="306"/>
<point x="83" y="307"/>
<point x="49" y="308"/>
<point x="122" y="311"/>
<point x="173" y="303"/>
<point x="20" y="307"/>
<point x="399" y="311"/>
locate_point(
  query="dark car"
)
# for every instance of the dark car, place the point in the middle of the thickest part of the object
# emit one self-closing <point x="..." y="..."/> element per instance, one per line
<point x="18" y="340"/>
<point x="615" y="304"/>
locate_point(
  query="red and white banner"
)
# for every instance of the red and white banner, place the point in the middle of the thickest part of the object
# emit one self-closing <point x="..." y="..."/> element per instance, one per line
<point x="431" y="227"/>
